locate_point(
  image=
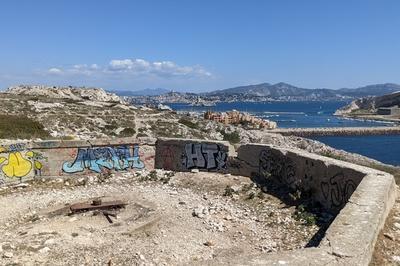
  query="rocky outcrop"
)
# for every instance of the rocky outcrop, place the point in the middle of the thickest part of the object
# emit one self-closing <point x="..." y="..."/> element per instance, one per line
<point x="370" y="104"/>
<point x="74" y="93"/>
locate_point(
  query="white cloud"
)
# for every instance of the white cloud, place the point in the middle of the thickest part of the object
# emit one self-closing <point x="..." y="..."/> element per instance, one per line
<point x="136" y="68"/>
<point x="54" y="70"/>
<point x="162" y="68"/>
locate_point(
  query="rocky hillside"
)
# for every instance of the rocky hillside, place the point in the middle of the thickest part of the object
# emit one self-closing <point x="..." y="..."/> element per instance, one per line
<point x="86" y="113"/>
<point x="73" y="93"/>
<point x="370" y="105"/>
<point x="29" y="115"/>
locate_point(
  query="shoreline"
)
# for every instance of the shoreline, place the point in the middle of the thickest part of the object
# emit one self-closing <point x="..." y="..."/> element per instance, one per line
<point x="337" y="131"/>
<point x="371" y="117"/>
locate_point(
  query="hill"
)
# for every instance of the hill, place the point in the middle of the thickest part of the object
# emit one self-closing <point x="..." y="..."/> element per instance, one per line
<point x="372" y="107"/>
<point x="145" y="92"/>
<point x="286" y="90"/>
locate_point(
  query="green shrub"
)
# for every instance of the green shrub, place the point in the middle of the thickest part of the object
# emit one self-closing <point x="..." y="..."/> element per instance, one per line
<point x="127" y="132"/>
<point x="304" y="216"/>
<point x="233" y="137"/>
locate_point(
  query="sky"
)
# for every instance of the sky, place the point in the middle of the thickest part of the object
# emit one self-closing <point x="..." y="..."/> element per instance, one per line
<point x="199" y="45"/>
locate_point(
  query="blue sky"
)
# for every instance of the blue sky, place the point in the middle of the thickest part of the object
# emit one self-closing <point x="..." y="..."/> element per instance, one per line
<point x="199" y="45"/>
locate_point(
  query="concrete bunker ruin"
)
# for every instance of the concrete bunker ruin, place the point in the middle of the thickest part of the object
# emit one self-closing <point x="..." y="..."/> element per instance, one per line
<point x="360" y="197"/>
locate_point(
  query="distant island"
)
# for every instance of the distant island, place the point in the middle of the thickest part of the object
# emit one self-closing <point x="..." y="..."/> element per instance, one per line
<point x="260" y="93"/>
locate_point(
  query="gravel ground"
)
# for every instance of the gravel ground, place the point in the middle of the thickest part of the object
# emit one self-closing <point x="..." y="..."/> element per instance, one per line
<point x="170" y="219"/>
<point x="387" y="249"/>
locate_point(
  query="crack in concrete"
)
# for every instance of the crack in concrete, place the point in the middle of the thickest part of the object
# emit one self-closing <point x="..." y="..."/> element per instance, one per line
<point x="358" y="204"/>
<point x="340" y="254"/>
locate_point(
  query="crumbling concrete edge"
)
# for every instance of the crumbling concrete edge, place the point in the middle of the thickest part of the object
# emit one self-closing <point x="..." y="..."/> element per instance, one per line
<point x="52" y="144"/>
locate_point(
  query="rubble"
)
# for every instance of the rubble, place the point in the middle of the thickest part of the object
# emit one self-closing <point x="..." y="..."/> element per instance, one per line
<point x="184" y="220"/>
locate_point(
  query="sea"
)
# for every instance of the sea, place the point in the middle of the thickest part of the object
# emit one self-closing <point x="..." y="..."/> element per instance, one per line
<point x="316" y="114"/>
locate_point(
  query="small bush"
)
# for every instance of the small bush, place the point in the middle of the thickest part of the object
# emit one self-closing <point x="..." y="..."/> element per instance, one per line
<point x="152" y="176"/>
<point x="306" y="217"/>
<point x="127" y="132"/>
<point x="233" y="137"/>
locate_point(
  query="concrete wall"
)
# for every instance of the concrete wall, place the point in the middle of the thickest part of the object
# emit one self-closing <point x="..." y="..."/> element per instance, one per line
<point x="329" y="182"/>
<point x="24" y="161"/>
<point x="184" y="155"/>
<point x="361" y="196"/>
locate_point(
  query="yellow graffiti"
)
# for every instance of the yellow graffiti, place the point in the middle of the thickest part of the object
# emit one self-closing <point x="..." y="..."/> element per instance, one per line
<point x="32" y="155"/>
<point x="17" y="166"/>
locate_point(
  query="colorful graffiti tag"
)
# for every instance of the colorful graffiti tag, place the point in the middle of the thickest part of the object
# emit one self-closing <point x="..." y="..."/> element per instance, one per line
<point x="112" y="158"/>
<point x="204" y="156"/>
<point x="17" y="162"/>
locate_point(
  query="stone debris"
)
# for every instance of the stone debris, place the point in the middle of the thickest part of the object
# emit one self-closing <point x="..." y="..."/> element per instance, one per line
<point x="44" y="250"/>
<point x="397" y="226"/>
<point x="183" y="220"/>
<point x="396" y="259"/>
<point x="8" y="255"/>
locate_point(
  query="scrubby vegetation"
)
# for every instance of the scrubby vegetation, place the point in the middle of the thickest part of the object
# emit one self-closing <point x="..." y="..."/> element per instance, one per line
<point x="127" y="132"/>
<point x="233" y="137"/>
<point x="188" y="123"/>
<point x="22" y="127"/>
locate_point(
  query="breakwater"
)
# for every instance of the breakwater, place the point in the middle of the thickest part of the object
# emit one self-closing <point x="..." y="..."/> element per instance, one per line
<point x="338" y="131"/>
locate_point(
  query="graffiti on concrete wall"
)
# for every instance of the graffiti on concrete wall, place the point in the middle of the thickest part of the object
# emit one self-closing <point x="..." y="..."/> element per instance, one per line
<point x="204" y="156"/>
<point x="338" y="189"/>
<point x="168" y="158"/>
<point x="278" y="166"/>
<point x="112" y="158"/>
<point x="16" y="161"/>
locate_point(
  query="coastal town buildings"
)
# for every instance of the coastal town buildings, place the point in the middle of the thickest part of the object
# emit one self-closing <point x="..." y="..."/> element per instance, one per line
<point x="236" y="117"/>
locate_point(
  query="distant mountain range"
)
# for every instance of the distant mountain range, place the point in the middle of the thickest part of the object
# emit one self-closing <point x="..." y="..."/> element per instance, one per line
<point x="283" y="89"/>
<point x="261" y="92"/>
<point x="145" y="92"/>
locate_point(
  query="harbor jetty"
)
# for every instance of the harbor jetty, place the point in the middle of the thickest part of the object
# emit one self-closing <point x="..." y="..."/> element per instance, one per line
<point x="338" y="131"/>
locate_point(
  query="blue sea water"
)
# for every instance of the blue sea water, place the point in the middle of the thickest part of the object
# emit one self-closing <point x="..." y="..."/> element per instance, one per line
<point x="382" y="148"/>
<point x="316" y="114"/>
<point x="288" y="114"/>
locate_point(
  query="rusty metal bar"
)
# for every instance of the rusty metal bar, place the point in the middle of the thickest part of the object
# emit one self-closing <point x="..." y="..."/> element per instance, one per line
<point x="80" y="207"/>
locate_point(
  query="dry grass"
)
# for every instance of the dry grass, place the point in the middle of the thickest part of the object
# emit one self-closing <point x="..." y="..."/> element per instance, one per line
<point x="22" y="127"/>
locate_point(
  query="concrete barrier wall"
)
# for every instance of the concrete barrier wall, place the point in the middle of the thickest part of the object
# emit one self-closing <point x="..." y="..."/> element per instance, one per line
<point x="184" y="155"/>
<point x="327" y="181"/>
<point x="24" y="161"/>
